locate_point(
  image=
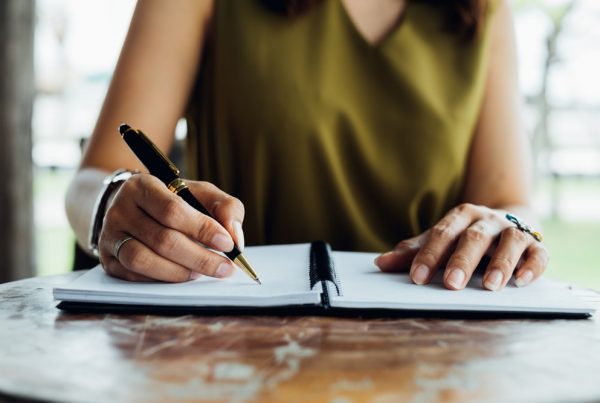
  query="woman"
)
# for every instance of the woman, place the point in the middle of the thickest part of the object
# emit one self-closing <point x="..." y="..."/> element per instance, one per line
<point x="361" y="123"/>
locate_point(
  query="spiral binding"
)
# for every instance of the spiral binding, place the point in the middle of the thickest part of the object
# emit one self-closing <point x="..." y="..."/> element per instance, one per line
<point x="322" y="269"/>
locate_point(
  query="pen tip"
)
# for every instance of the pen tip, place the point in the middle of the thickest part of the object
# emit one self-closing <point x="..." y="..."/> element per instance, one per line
<point x="258" y="281"/>
<point x="123" y="127"/>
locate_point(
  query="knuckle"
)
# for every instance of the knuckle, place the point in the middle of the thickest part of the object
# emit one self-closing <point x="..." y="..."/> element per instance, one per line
<point x="515" y="234"/>
<point x="464" y="208"/>
<point x="165" y="241"/>
<point x="217" y="206"/>
<point x="427" y="255"/>
<point x="441" y="232"/>
<point x="461" y="260"/>
<point x="475" y="234"/>
<point x="231" y="202"/>
<point x="203" y="263"/>
<point x="492" y="215"/>
<point x="205" y="228"/>
<point x="406" y="245"/>
<point x="448" y="220"/>
<point x="226" y="204"/>
<point x="136" y="259"/>
<point x="171" y="210"/>
<point x="502" y="262"/>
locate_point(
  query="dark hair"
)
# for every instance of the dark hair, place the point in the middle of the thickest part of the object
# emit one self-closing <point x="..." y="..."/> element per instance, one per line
<point x="462" y="17"/>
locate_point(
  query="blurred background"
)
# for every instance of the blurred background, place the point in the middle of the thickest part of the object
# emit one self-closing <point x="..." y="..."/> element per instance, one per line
<point x="76" y="45"/>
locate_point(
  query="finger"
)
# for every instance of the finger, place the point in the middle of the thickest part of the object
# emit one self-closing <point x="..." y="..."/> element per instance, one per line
<point x="226" y="209"/>
<point x="472" y="245"/>
<point x="533" y="267"/>
<point x="137" y="257"/>
<point x="176" y="247"/>
<point x="170" y="210"/>
<point x="400" y="258"/>
<point x="505" y="258"/>
<point x="441" y="238"/>
<point x="112" y="267"/>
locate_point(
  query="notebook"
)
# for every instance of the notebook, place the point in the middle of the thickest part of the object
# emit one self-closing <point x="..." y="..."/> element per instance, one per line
<point x="310" y="278"/>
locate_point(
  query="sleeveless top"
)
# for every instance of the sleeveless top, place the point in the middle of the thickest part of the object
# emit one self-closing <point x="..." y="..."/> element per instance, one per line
<point x="324" y="136"/>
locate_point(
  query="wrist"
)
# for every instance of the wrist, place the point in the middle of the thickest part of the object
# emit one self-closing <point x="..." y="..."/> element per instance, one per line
<point x="104" y="200"/>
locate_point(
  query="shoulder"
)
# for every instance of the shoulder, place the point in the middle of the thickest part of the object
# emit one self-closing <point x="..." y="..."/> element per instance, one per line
<point x="175" y="11"/>
<point x="500" y="18"/>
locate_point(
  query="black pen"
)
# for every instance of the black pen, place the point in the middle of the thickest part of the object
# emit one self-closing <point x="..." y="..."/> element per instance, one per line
<point x="162" y="167"/>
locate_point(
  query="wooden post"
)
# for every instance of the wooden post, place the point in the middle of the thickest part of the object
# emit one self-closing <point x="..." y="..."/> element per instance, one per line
<point x="16" y="98"/>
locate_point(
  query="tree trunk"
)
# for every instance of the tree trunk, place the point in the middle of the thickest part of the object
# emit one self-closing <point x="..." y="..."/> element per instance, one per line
<point x="16" y="97"/>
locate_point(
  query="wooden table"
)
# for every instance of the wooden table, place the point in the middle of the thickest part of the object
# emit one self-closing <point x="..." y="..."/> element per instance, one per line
<point x="48" y="354"/>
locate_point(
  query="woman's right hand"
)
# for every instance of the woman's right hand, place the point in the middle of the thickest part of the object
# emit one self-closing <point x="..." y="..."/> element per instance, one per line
<point x="168" y="234"/>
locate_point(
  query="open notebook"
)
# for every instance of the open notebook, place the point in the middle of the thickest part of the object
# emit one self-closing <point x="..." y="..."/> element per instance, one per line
<point x="301" y="276"/>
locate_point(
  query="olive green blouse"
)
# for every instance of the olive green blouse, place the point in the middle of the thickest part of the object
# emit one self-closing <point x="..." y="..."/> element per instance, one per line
<point x="325" y="136"/>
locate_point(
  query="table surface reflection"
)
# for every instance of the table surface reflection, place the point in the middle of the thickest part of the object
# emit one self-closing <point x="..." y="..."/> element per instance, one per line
<point x="49" y="354"/>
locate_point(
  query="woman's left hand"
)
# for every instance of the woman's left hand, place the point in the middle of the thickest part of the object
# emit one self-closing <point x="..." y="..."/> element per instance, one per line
<point x="457" y="244"/>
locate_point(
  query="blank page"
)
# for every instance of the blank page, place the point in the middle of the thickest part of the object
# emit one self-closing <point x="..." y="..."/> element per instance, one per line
<point x="364" y="286"/>
<point x="283" y="270"/>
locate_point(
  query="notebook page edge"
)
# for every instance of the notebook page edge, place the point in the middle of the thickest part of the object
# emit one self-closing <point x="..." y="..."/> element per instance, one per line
<point x="565" y="301"/>
<point x="89" y="285"/>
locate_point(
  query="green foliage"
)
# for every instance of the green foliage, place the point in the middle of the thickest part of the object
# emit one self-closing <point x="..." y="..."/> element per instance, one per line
<point x="574" y="251"/>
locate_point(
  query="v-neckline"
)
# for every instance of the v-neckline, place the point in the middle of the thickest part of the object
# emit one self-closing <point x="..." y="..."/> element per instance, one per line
<point x="393" y="31"/>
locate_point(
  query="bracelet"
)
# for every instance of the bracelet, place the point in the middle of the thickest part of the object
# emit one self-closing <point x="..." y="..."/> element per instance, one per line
<point x="111" y="183"/>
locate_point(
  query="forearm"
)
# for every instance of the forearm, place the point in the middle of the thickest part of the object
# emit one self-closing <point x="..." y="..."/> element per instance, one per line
<point x="80" y="201"/>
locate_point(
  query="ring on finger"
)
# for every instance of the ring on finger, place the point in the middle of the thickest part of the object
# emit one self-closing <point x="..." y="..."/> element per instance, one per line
<point x="119" y="244"/>
<point x="523" y="226"/>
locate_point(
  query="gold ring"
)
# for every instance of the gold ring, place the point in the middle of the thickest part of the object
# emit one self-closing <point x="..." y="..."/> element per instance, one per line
<point x="177" y="185"/>
<point x="119" y="244"/>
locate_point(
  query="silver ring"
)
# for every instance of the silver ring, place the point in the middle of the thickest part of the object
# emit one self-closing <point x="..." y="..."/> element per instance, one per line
<point x="119" y="244"/>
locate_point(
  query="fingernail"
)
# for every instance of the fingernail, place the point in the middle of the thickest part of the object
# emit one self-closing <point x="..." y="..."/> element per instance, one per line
<point x="222" y="243"/>
<point x="494" y="280"/>
<point x="420" y="274"/>
<point x="456" y="278"/>
<point x="195" y="275"/>
<point x="239" y="234"/>
<point x="524" y="279"/>
<point x="224" y="270"/>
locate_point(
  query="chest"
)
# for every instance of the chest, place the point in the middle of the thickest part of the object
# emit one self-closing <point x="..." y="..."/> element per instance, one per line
<point x="319" y="74"/>
<point x="374" y="20"/>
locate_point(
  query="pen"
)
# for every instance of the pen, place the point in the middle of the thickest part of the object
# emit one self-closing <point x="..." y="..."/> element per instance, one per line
<point x="162" y="167"/>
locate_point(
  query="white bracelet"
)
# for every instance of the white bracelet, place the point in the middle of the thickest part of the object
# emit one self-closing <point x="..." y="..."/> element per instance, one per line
<point x="111" y="183"/>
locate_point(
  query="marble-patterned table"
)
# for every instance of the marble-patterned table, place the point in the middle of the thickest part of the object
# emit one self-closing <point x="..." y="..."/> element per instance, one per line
<point x="52" y="355"/>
